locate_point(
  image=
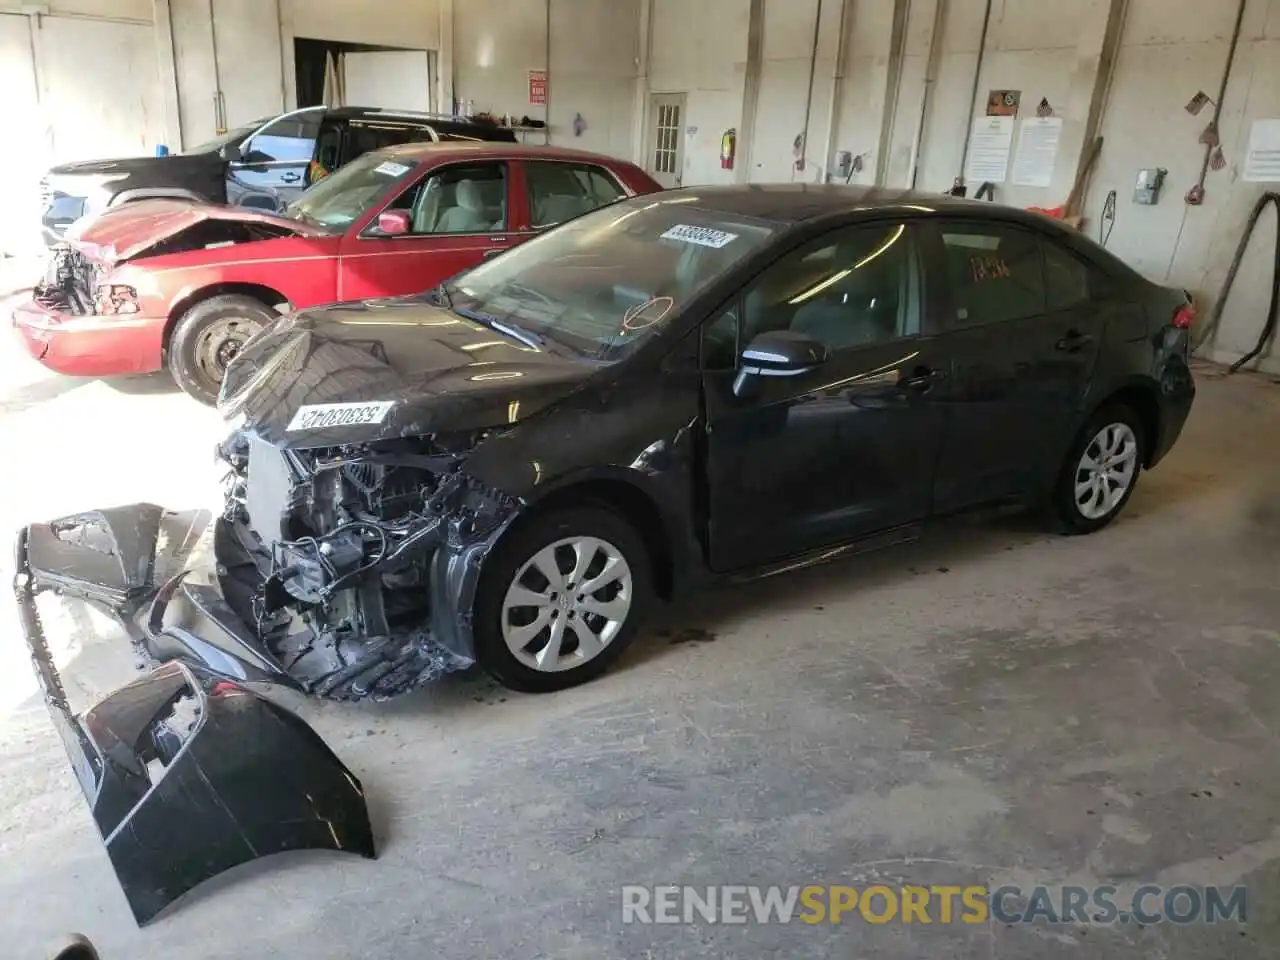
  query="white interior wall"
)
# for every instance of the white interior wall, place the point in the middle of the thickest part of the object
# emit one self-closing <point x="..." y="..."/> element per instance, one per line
<point x="701" y="50"/>
<point x="1169" y="49"/>
<point x="595" y="51"/>
<point x="860" y="108"/>
<point x="1165" y="59"/>
<point x="250" y="58"/>
<point x="787" y="62"/>
<point x="138" y="10"/>
<point x="20" y="170"/>
<point x="594" y="57"/>
<point x="412" y="24"/>
<point x="44" y="63"/>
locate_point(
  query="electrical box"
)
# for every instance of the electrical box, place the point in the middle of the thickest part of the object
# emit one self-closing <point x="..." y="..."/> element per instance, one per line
<point x="1146" y="189"/>
<point x="844" y="164"/>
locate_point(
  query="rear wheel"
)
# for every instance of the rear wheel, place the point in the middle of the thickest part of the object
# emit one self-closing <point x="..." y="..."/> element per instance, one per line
<point x="561" y="599"/>
<point x="208" y="336"/>
<point x="1101" y="470"/>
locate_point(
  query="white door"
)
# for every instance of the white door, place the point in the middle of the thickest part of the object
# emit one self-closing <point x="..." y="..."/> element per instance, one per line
<point x="665" y="153"/>
<point x="392" y="79"/>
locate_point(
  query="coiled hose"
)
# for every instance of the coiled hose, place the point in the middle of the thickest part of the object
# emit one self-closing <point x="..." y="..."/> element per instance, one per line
<point x="1269" y="327"/>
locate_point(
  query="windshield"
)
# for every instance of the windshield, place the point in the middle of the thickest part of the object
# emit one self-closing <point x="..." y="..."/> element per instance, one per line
<point x="344" y="197"/>
<point x="603" y="283"/>
<point x="231" y="136"/>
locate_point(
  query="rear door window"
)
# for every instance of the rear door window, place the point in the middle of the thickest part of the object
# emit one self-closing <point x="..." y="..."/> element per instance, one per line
<point x="995" y="271"/>
<point x="562" y="191"/>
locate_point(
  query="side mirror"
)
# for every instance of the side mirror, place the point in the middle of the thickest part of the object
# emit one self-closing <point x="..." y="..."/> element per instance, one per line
<point x="231" y="152"/>
<point x="779" y="353"/>
<point x="393" y="223"/>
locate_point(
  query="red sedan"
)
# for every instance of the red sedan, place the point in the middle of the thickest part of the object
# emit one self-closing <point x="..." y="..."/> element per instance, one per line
<point x="184" y="285"/>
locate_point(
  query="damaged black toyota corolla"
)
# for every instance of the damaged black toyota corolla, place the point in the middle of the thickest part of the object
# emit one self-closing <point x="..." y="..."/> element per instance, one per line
<point x="673" y="389"/>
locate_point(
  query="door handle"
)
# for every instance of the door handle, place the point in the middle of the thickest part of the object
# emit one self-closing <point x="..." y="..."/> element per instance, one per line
<point x="1073" y="341"/>
<point x="291" y="177"/>
<point x="493" y="253"/>
<point x="921" y="379"/>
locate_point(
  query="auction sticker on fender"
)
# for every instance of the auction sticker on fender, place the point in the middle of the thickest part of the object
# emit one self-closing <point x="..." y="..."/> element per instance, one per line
<point x="321" y="416"/>
<point x="702" y="236"/>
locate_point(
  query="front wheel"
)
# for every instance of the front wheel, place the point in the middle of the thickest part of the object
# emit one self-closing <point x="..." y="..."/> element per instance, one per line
<point x="207" y="338"/>
<point x="561" y="599"/>
<point x="1101" y="470"/>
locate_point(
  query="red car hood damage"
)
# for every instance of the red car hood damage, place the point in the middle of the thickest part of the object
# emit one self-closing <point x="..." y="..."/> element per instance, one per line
<point x="130" y="230"/>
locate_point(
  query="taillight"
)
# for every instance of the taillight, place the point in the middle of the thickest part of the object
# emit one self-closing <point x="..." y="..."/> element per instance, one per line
<point x="1184" y="317"/>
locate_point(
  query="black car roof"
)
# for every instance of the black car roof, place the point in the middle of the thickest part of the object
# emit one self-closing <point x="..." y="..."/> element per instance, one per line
<point x="797" y="202"/>
<point x="794" y="204"/>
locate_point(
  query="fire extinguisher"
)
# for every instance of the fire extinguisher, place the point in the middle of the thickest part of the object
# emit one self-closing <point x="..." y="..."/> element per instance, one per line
<point x="728" y="147"/>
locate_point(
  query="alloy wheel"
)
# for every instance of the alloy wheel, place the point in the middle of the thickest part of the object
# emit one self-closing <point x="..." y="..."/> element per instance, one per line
<point x="1106" y="471"/>
<point x="567" y="603"/>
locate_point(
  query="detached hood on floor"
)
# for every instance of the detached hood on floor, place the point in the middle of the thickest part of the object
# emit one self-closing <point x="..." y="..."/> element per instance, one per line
<point x="125" y="232"/>
<point x="384" y="369"/>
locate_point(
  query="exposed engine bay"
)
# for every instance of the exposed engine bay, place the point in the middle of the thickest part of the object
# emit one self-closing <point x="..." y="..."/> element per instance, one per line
<point x="332" y="552"/>
<point x="70" y="281"/>
<point x="76" y="283"/>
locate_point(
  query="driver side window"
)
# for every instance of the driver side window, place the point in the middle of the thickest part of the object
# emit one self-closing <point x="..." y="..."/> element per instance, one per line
<point x="458" y="199"/>
<point x="853" y="287"/>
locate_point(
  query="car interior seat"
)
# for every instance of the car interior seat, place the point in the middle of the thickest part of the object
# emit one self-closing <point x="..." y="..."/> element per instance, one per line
<point x="557" y="208"/>
<point x="468" y="214"/>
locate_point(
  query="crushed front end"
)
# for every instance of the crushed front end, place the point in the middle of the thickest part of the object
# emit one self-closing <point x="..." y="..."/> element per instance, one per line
<point x="356" y="566"/>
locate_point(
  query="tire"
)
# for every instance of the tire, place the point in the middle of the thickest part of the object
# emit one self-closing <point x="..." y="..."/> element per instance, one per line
<point x="514" y="565"/>
<point x="1114" y="431"/>
<point x="207" y="336"/>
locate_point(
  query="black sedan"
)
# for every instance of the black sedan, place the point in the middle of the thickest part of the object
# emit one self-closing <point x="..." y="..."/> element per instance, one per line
<point x="666" y="391"/>
<point x="672" y="389"/>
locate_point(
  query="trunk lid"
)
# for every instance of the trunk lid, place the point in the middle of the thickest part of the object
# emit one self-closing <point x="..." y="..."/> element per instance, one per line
<point x="128" y="231"/>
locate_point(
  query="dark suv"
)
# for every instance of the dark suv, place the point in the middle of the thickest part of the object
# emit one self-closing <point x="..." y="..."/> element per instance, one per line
<point x="264" y="164"/>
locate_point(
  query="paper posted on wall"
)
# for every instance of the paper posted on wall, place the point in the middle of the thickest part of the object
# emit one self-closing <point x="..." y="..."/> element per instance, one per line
<point x="989" y="146"/>
<point x="1037" y="152"/>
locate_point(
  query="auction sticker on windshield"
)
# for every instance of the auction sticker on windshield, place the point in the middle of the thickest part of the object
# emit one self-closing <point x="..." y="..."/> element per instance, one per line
<point x="391" y="168"/>
<point x="318" y="416"/>
<point x="702" y="236"/>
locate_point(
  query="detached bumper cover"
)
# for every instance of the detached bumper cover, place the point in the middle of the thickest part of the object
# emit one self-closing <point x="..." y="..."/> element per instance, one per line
<point x="187" y="773"/>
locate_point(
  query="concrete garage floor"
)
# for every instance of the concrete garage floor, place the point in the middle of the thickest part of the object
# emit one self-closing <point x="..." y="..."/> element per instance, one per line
<point x="993" y="705"/>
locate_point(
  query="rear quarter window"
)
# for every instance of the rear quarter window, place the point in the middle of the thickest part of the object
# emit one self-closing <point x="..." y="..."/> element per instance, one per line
<point x="995" y="272"/>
